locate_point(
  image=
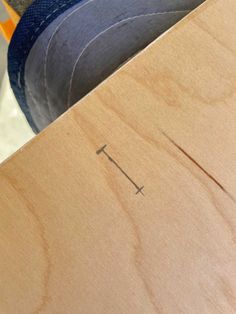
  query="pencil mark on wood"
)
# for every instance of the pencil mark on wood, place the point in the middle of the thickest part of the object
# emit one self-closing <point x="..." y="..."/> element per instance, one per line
<point x="210" y="176"/>
<point x="139" y="253"/>
<point x="103" y="150"/>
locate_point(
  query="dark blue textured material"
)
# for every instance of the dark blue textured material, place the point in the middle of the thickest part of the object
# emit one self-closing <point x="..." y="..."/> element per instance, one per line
<point x="63" y="49"/>
<point x="35" y="20"/>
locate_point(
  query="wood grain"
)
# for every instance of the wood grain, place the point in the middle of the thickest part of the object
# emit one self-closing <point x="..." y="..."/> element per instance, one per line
<point x="74" y="235"/>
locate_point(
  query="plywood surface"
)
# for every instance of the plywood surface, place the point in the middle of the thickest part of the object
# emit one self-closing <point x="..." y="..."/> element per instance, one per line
<point x="146" y="224"/>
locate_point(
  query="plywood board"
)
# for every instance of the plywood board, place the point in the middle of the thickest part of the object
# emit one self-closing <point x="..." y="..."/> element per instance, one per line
<point x="145" y="224"/>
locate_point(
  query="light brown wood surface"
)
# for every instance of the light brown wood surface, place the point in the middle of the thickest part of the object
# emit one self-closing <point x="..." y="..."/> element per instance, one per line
<point x="74" y="235"/>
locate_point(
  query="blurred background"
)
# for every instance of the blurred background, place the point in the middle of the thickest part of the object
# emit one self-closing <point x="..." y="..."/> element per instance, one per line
<point x="14" y="130"/>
